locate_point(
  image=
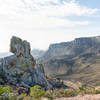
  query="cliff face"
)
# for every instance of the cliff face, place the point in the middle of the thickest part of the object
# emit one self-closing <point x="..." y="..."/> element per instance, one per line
<point x="78" y="60"/>
<point x="74" y="48"/>
<point x="20" y="68"/>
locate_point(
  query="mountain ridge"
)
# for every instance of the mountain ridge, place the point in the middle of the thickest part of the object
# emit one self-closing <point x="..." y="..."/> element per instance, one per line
<point x="74" y="60"/>
<point x="78" y="42"/>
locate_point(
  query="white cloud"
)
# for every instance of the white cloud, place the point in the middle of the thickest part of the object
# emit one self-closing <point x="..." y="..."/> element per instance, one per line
<point x="42" y="14"/>
<point x="46" y="7"/>
<point x="34" y="20"/>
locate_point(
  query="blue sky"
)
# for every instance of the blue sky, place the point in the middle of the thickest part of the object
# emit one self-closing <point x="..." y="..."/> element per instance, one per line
<point x="90" y="3"/>
<point x="42" y="22"/>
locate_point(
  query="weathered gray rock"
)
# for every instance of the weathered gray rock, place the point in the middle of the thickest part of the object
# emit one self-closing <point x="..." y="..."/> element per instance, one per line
<point x="39" y="75"/>
<point x="21" y="65"/>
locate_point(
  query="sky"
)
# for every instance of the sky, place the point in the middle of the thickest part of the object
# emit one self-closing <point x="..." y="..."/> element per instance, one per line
<point x="42" y="22"/>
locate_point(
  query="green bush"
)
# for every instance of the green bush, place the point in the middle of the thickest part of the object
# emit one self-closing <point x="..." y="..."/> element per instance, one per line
<point x="64" y="93"/>
<point x="1" y="90"/>
<point x="21" y="96"/>
<point x="8" y="96"/>
<point x="97" y="89"/>
<point x="6" y="93"/>
<point x="49" y="94"/>
<point x="60" y="93"/>
<point x="87" y="90"/>
<point x="70" y="93"/>
<point x="7" y="89"/>
<point x="36" y="92"/>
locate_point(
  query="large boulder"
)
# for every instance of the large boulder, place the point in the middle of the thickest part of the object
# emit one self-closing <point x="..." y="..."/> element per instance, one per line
<point x="21" y="66"/>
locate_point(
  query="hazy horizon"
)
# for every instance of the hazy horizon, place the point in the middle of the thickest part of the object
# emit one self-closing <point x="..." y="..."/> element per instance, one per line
<point x="43" y="22"/>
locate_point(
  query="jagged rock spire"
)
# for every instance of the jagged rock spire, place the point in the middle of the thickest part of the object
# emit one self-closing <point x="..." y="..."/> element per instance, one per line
<point x="21" y="66"/>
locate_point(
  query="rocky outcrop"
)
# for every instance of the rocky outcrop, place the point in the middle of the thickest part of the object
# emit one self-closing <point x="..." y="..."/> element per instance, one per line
<point x="20" y="68"/>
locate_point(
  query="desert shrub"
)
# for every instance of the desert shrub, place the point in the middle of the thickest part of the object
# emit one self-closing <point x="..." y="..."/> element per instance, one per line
<point x="6" y="93"/>
<point x="21" y="96"/>
<point x="87" y="90"/>
<point x="7" y="89"/>
<point x="97" y="92"/>
<point x="54" y="93"/>
<point x="97" y="89"/>
<point x="46" y="76"/>
<point x="8" y="96"/>
<point x="90" y="91"/>
<point x="60" y="93"/>
<point x="69" y="93"/>
<point x="1" y="90"/>
<point x="81" y="90"/>
<point x="65" y="93"/>
<point x="49" y="94"/>
<point x="36" y="92"/>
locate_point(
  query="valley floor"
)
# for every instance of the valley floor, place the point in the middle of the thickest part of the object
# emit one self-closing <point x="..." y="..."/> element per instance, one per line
<point x="82" y="97"/>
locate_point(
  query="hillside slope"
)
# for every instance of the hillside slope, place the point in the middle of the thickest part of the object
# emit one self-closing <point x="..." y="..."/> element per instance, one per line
<point x="75" y="60"/>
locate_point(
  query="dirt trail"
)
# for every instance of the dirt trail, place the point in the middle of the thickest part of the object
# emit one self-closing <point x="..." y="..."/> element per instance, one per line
<point x="82" y="97"/>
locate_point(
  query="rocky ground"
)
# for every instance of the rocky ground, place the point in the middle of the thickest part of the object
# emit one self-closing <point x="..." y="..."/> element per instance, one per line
<point x="82" y="97"/>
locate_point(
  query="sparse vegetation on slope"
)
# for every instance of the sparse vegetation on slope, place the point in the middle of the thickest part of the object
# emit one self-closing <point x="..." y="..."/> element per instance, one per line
<point x="77" y="60"/>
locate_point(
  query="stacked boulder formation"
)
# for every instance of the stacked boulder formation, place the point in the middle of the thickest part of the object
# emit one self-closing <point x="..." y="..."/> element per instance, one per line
<point x="21" y="68"/>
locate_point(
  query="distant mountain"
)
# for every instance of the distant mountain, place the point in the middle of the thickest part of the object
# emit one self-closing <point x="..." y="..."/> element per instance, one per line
<point x="37" y="53"/>
<point x="73" y="48"/>
<point x="5" y="54"/>
<point x="78" y="60"/>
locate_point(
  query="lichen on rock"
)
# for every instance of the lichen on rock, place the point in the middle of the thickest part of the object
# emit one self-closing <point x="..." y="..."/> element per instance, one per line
<point x="21" y="66"/>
